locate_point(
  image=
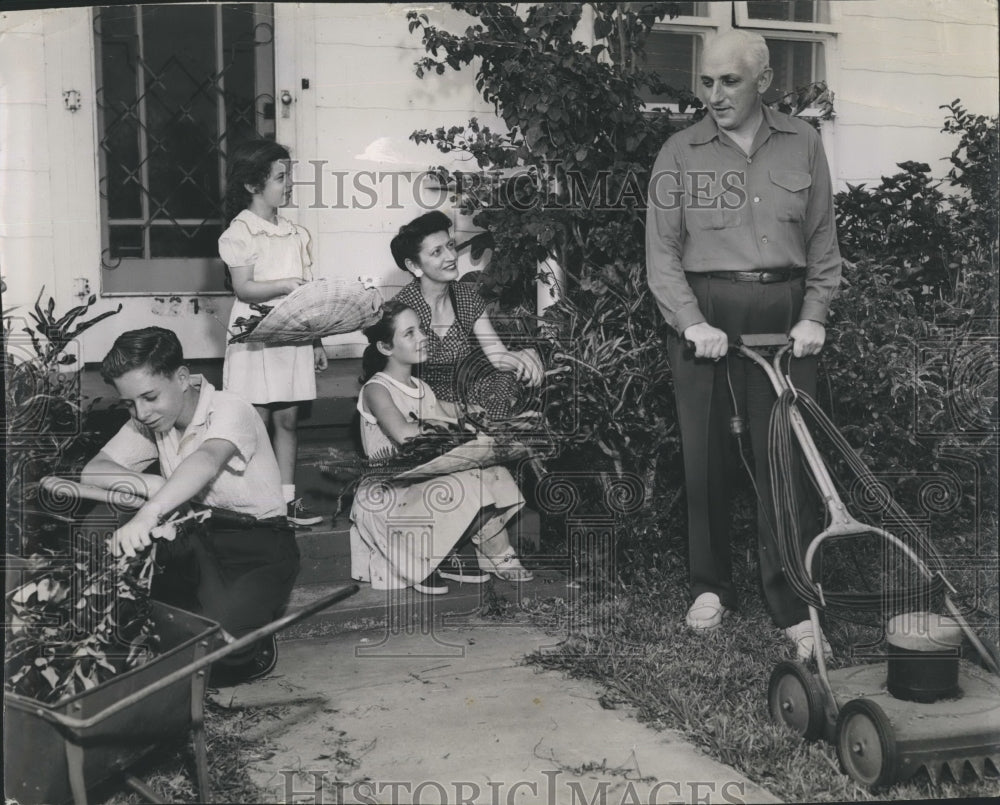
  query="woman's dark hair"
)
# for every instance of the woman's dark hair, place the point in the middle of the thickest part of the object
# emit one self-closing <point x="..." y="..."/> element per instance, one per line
<point x="382" y="331"/>
<point x="406" y="244"/>
<point x="248" y="163"/>
<point x="155" y="348"/>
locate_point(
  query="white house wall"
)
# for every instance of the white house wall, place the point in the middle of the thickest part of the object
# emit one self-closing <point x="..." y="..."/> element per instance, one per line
<point x="367" y="101"/>
<point x="898" y="61"/>
<point x="894" y="63"/>
<point x="49" y="207"/>
<point x="26" y="222"/>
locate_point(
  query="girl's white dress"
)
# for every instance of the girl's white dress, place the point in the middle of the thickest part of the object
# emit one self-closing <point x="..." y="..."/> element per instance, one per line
<point x="262" y="373"/>
<point x="401" y="533"/>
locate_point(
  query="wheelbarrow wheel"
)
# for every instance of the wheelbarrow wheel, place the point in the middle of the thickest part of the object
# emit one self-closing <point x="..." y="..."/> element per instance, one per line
<point x="866" y="744"/>
<point x="794" y="698"/>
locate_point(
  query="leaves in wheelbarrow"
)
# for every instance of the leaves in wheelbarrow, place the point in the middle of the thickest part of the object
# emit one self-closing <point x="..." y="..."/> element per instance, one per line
<point x="74" y="624"/>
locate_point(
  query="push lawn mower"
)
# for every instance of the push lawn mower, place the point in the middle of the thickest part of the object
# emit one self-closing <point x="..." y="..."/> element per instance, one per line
<point x="928" y="707"/>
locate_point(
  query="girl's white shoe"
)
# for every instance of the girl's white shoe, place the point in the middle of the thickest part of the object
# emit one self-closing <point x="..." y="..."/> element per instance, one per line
<point x="506" y="566"/>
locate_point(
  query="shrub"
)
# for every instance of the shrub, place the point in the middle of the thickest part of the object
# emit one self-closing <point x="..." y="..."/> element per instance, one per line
<point x="44" y="415"/>
<point x="921" y="237"/>
<point x="911" y="359"/>
<point x="567" y="181"/>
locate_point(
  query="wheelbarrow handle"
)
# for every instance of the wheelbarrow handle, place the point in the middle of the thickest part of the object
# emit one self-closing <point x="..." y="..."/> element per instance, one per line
<point x="203" y="662"/>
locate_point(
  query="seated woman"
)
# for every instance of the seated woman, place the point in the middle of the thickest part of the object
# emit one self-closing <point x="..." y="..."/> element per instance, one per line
<point x="452" y="315"/>
<point x="400" y="534"/>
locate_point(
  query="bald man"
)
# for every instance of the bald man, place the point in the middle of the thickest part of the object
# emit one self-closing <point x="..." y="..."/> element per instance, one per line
<point x="740" y="238"/>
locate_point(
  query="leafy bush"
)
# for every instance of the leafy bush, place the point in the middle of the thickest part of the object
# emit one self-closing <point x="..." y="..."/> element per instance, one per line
<point x="567" y="181"/>
<point x="911" y="358"/>
<point x="76" y="624"/>
<point x="920" y="237"/>
<point x="609" y="333"/>
<point x="44" y="419"/>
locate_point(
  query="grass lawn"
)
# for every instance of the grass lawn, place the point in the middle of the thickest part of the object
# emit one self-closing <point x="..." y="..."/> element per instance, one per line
<point x="712" y="687"/>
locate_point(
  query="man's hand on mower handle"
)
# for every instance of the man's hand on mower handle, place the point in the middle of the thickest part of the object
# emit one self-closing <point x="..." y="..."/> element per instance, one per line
<point x="708" y="341"/>
<point x="807" y="338"/>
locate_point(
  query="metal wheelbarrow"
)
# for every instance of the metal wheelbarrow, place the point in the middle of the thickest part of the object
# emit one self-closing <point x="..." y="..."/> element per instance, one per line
<point x="927" y="708"/>
<point x="55" y="752"/>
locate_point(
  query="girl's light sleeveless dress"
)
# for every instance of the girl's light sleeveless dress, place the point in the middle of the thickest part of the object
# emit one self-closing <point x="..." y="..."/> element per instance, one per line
<point x="264" y="373"/>
<point x="400" y="534"/>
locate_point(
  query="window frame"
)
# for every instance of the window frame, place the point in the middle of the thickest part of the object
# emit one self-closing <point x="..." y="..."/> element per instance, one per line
<point x="744" y="20"/>
<point x="720" y="19"/>
<point x="716" y="18"/>
<point x="698" y="33"/>
<point x="160" y="273"/>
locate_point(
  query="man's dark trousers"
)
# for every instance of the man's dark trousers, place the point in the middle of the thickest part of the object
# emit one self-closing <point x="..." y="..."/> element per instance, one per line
<point x="704" y="408"/>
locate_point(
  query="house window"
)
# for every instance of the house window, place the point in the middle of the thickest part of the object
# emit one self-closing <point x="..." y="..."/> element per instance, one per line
<point x="178" y="86"/>
<point x="794" y="11"/>
<point x="798" y="34"/>
<point x="795" y="64"/>
<point x="674" y="58"/>
<point x="673" y="48"/>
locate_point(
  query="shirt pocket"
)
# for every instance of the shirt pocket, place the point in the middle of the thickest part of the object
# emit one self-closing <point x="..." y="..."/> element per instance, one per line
<point x="707" y="211"/>
<point x="791" y="194"/>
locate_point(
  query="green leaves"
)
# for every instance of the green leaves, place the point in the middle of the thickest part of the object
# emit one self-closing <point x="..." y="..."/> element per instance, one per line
<point x="56" y="331"/>
<point x="43" y="406"/>
<point x="914" y="231"/>
<point x="75" y="625"/>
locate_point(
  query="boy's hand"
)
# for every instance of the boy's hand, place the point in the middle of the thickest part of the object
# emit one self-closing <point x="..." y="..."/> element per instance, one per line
<point x="134" y="536"/>
<point x="319" y="358"/>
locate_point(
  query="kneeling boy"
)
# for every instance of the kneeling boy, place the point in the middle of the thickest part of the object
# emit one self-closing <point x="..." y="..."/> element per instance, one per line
<point x="213" y="449"/>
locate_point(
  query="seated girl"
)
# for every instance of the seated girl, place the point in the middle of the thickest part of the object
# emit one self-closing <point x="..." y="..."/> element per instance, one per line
<point x="400" y="534"/>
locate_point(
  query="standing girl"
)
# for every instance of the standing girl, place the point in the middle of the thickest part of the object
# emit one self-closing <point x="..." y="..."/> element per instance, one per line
<point x="268" y="257"/>
<point x="400" y="534"/>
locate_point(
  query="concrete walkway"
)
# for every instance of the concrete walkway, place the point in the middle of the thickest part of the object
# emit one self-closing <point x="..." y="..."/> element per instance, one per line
<point x="453" y="715"/>
<point x="450" y="714"/>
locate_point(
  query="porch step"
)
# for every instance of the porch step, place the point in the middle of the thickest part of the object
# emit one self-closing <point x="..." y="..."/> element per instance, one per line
<point x="325" y="549"/>
<point x="327" y="463"/>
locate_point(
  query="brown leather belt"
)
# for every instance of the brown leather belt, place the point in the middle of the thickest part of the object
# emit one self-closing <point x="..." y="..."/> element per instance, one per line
<point x="765" y="277"/>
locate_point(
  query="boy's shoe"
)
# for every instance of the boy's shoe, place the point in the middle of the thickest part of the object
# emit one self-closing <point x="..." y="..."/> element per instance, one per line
<point x="801" y="634"/>
<point x="432" y="585"/>
<point x="261" y="663"/>
<point x="706" y="612"/>
<point x="299" y="514"/>
<point x="457" y="569"/>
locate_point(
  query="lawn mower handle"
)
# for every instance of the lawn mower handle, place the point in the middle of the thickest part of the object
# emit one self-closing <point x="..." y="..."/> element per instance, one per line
<point x="751" y="341"/>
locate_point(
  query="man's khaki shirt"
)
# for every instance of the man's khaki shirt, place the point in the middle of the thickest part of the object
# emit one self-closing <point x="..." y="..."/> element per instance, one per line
<point x="714" y="208"/>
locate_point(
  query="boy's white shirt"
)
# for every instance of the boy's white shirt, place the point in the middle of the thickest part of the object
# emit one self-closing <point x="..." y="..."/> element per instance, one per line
<point x="250" y="482"/>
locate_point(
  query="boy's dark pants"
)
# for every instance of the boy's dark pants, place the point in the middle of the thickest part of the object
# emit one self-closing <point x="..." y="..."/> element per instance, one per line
<point x="704" y="408"/>
<point x="241" y="578"/>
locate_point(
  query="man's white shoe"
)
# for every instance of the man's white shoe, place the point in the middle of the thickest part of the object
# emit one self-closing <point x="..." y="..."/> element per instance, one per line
<point x="801" y="634"/>
<point x="706" y="612"/>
